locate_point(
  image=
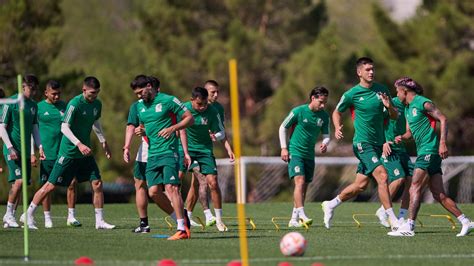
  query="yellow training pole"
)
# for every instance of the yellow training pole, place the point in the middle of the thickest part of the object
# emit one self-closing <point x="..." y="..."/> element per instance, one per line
<point x="234" y="103"/>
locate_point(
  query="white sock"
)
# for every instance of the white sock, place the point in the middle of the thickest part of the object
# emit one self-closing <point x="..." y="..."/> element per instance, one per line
<point x="180" y="223"/>
<point x="402" y="213"/>
<point x="218" y="215"/>
<point x="10" y="209"/>
<point x="71" y="214"/>
<point x="334" y="202"/>
<point x="463" y="219"/>
<point x="208" y="214"/>
<point x="190" y="215"/>
<point x="173" y="216"/>
<point x="381" y="209"/>
<point x="391" y="216"/>
<point x="294" y="215"/>
<point x="31" y="209"/>
<point x="47" y="215"/>
<point x="301" y="213"/>
<point x="99" y="215"/>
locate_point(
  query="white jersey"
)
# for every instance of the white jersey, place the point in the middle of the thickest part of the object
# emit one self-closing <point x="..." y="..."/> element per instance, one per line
<point x="142" y="153"/>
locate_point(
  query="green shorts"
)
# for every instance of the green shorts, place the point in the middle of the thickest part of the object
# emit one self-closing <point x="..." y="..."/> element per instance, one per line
<point x="369" y="157"/>
<point x="162" y="170"/>
<point x="46" y="167"/>
<point x="430" y="163"/>
<point x="398" y="165"/>
<point x="65" y="169"/>
<point x="14" y="169"/>
<point x="139" y="170"/>
<point x="206" y="162"/>
<point x="182" y="167"/>
<point x="298" y="166"/>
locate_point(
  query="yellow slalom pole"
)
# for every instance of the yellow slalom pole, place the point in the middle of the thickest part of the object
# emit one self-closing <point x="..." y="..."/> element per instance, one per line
<point x="234" y="103"/>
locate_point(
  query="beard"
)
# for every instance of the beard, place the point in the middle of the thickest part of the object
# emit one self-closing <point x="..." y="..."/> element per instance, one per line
<point x="147" y="97"/>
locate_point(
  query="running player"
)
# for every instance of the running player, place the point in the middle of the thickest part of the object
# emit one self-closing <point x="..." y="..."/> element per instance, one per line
<point x="308" y="122"/>
<point x="421" y="115"/>
<point x="75" y="155"/>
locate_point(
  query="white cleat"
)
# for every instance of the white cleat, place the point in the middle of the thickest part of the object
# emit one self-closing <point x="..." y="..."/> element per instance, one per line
<point x="328" y="213"/>
<point x="466" y="229"/>
<point x="73" y="222"/>
<point x="221" y="227"/>
<point x="104" y="225"/>
<point x="295" y="224"/>
<point x="194" y="224"/>
<point x="9" y="221"/>
<point x="31" y="222"/>
<point x="48" y="223"/>
<point x="403" y="230"/>
<point x="383" y="218"/>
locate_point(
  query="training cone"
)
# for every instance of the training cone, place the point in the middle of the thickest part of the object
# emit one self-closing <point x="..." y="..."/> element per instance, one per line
<point x="285" y="263"/>
<point x="234" y="263"/>
<point x="166" y="262"/>
<point x="84" y="261"/>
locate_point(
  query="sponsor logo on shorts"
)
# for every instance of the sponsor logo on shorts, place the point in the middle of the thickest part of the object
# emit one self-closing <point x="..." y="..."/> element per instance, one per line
<point x="17" y="172"/>
<point x="172" y="177"/>
<point x="428" y="157"/>
<point x="297" y="169"/>
<point x="375" y="159"/>
<point x="60" y="179"/>
<point x="396" y="172"/>
<point x="61" y="159"/>
<point x="44" y="177"/>
<point x="359" y="147"/>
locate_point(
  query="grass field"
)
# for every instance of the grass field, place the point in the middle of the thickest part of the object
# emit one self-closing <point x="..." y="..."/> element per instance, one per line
<point x="344" y="244"/>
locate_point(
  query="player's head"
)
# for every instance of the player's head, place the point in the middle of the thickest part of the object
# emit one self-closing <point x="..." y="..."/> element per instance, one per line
<point x="145" y="83"/>
<point x="134" y="85"/>
<point x="199" y="99"/>
<point x="318" y="98"/>
<point x="155" y="83"/>
<point x="365" y="69"/>
<point x="52" y="91"/>
<point x="90" y="88"/>
<point x="2" y="92"/>
<point x="30" y="86"/>
<point x="406" y="85"/>
<point x="212" y="88"/>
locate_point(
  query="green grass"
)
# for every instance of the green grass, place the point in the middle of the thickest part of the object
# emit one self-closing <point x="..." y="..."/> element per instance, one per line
<point x="344" y="244"/>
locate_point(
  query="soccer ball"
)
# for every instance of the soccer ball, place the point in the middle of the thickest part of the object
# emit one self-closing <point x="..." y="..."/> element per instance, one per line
<point x="293" y="244"/>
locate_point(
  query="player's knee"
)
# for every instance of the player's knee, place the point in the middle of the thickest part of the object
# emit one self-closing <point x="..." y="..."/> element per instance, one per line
<point x="213" y="185"/>
<point x="97" y="185"/>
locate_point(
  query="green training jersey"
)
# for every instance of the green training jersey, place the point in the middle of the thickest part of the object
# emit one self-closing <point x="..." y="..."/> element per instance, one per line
<point x="80" y="115"/>
<point x="49" y="120"/>
<point x="198" y="134"/>
<point x="422" y="126"/>
<point x="133" y="115"/>
<point x="367" y="111"/>
<point x="11" y="118"/>
<point x="397" y="127"/>
<point x="161" y="113"/>
<point x="220" y="111"/>
<point x="307" y="127"/>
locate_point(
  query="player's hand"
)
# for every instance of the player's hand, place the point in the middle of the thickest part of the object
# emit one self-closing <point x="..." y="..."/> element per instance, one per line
<point x="33" y="160"/>
<point x="323" y="148"/>
<point x="166" y="132"/>
<point x="385" y="99"/>
<point x="13" y="154"/>
<point x="386" y="149"/>
<point x="187" y="160"/>
<point x="338" y="132"/>
<point x="398" y="139"/>
<point x="1" y="169"/>
<point x="443" y="150"/>
<point x="140" y="131"/>
<point x="126" y="155"/>
<point x="284" y="154"/>
<point x="86" y="151"/>
<point x="42" y="156"/>
<point x="105" y="146"/>
<point x="213" y="136"/>
<point x="231" y="156"/>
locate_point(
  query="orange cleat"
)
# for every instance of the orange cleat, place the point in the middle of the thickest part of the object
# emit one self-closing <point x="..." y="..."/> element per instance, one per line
<point x="179" y="235"/>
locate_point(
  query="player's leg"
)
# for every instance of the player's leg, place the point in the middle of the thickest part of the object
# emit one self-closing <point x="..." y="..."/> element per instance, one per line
<point x="15" y="181"/>
<point x="71" y="204"/>
<point x="191" y="198"/>
<point x="45" y="170"/>
<point x="141" y="197"/>
<point x="204" y="199"/>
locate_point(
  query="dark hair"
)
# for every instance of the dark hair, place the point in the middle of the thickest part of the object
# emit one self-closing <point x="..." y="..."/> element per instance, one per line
<point x="92" y="82"/>
<point x="155" y="82"/>
<point x="2" y="92"/>
<point x="318" y="91"/>
<point x="211" y="82"/>
<point x="364" y="60"/>
<point x="410" y="84"/>
<point x="199" y="92"/>
<point x="53" y="84"/>
<point x="30" y="80"/>
<point x="142" y="81"/>
<point x="133" y="84"/>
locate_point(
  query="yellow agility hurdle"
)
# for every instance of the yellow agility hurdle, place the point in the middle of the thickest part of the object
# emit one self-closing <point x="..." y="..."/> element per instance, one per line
<point x="248" y="220"/>
<point x="447" y="217"/>
<point x="277" y="228"/>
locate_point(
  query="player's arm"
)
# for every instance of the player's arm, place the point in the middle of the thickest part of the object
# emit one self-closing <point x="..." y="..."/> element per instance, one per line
<point x="290" y="120"/>
<point x="187" y="120"/>
<point x="184" y="143"/>
<point x="218" y="131"/>
<point x="97" y="127"/>
<point x="129" y="130"/>
<point x="387" y="102"/>
<point x="326" y="137"/>
<point x="344" y="103"/>
<point x="433" y="111"/>
<point x="37" y="140"/>
<point x="5" y="118"/>
<point x="405" y="136"/>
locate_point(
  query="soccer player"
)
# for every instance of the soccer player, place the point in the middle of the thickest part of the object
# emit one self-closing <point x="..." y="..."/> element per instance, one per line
<point x="212" y="88"/>
<point x="158" y="111"/>
<point x="367" y="102"/>
<point x="139" y="167"/>
<point x="421" y="116"/>
<point x="75" y="155"/>
<point x="308" y="122"/>
<point x="10" y="133"/>
<point x="50" y="113"/>
<point x="207" y="128"/>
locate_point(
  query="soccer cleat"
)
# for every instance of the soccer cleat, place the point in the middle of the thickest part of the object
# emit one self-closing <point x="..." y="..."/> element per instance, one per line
<point x="328" y="213"/>
<point x="307" y="221"/>
<point x="179" y="235"/>
<point x="73" y="222"/>
<point x="193" y="223"/>
<point x="48" y="223"/>
<point x="211" y="221"/>
<point x="104" y="225"/>
<point x="142" y="229"/>
<point x="221" y="227"/>
<point x="187" y="224"/>
<point x="404" y="230"/>
<point x="31" y="222"/>
<point x="9" y="221"/>
<point x="295" y="224"/>
<point x="466" y="229"/>
<point x="383" y="217"/>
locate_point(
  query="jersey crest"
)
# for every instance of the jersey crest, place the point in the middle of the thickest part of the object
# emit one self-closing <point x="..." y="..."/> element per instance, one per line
<point x="414" y="112"/>
<point x="158" y="108"/>
<point x="95" y="111"/>
<point x="320" y="122"/>
<point x="204" y="121"/>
